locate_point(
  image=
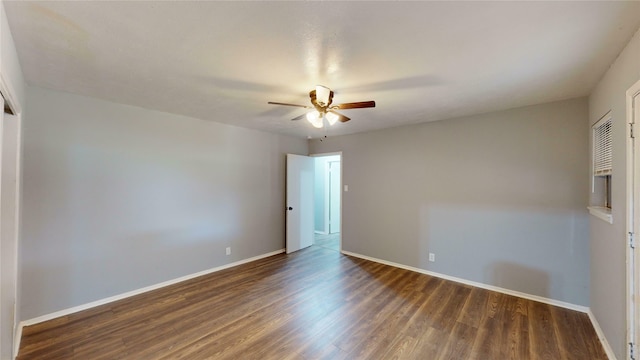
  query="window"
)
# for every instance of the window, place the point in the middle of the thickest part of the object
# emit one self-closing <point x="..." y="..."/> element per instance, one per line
<point x="602" y="168"/>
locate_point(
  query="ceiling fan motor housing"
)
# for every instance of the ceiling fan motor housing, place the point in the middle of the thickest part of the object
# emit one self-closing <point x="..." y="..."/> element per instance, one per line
<point x="320" y="106"/>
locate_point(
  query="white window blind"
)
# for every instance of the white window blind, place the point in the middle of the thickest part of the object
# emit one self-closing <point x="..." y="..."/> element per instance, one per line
<point x="602" y="147"/>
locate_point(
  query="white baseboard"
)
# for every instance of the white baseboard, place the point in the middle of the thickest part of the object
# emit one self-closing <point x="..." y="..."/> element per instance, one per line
<point x="603" y="340"/>
<point x="541" y="299"/>
<point x="110" y="299"/>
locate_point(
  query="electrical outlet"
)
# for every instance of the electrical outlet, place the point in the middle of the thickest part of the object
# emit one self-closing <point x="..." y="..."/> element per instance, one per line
<point x="228" y="251"/>
<point x="432" y="257"/>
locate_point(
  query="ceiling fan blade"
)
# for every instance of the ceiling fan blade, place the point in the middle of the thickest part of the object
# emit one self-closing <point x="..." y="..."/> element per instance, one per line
<point x="299" y="117"/>
<point x="286" y="104"/>
<point x="356" y="105"/>
<point x="341" y="117"/>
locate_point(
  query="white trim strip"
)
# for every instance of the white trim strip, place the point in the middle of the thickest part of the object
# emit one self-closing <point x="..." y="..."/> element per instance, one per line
<point x="16" y="341"/>
<point x="17" y="330"/>
<point x="601" y="212"/>
<point x="541" y="299"/>
<point x="93" y="304"/>
<point x="603" y="339"/>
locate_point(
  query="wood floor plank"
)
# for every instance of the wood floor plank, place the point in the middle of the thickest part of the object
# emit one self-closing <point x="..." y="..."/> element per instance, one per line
<point x="459" y="337"/>
<point x="589" y="336"/>
<point x="429" y="345"/>
<point x="371" y="310"/>
<point x="516" y="329"/>
<point x="469" y="314"/>
<point x="574" y="331"/>
<point x="417" y="323"/>
<point x="443" y="319"/>
<point x="316" y="304"/>
<point x="391" y="336"/>
<point x="542" y="333"/>
<point x="400" y="348"/>
<point x="383" y="328"/>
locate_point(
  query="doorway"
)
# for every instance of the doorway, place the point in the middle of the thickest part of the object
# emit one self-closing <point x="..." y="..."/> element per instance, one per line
<point x="327" y="201"/>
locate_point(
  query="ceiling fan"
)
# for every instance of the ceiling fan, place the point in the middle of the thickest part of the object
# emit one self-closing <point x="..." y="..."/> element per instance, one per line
<point x="321" y="99"/>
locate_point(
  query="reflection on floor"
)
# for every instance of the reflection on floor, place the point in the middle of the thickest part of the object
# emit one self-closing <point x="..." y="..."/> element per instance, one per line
<point x="328" y="241"/>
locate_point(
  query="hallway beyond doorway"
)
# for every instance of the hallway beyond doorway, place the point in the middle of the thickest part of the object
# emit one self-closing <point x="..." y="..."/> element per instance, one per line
<point x="328" y="241"/>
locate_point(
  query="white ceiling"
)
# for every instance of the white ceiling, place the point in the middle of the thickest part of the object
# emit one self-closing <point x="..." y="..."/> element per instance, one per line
<point x="222" y="61"/>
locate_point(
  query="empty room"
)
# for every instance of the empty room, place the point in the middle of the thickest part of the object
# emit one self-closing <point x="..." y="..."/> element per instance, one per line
<point x="319" y="180"/>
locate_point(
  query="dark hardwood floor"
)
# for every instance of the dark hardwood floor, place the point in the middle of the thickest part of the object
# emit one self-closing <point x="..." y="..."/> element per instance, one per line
<point x="316" y="304"/>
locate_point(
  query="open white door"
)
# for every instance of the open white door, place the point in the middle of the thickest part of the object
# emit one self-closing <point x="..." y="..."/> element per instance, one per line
<point x="300" y="177"/>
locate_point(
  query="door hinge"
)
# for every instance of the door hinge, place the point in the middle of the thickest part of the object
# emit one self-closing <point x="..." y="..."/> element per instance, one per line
<point x="632" y="242"/>
<point x="631" y="351"/>
<point x="631" y="131"/>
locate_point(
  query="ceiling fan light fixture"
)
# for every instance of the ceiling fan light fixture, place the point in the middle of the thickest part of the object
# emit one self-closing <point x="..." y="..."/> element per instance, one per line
<point x="332" y="118"/>
<point x="321" y="98"/>
<point x="322" y="95"/>
<point x="315" y="118"/>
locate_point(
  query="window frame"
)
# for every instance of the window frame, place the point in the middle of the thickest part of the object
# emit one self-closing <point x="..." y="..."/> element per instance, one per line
<point x="601" y="180"/>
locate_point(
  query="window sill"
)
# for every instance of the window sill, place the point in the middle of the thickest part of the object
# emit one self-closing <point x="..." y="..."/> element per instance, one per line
<point x="602" y="213"/>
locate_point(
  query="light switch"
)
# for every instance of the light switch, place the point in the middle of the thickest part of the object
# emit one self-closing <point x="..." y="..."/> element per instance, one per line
<point x="346" y="188"/>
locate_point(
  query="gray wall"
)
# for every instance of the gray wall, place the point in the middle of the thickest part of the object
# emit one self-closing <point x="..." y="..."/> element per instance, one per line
<point x="608" y="241"/>
<point x="118" y="197"/>
<point x="500" y="198"/>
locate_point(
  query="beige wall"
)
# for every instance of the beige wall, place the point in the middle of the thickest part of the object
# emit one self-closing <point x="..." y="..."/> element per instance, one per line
<point x="117" y="198"/>
<point x="608" y="241"/>
<point x="500" y="198"/>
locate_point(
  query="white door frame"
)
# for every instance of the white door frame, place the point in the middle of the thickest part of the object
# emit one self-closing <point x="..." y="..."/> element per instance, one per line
<point x="329" y="197"/>
<point x="341" y="187"/>
<point x="632" y="222"/>
<point x="8" y="93"/>
<point x="11" y="163"/>
<point x="17" y="234"/>
<point x="325" y="199"/>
